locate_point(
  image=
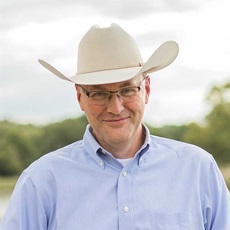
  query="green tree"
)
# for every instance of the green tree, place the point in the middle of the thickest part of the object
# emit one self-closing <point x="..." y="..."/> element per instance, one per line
<point x="16" y="147"/>
<point x="59" y="134"/>
<point x="214" y="136"/>
<point x="218" y="121"/>
<point x="20" y="145"/>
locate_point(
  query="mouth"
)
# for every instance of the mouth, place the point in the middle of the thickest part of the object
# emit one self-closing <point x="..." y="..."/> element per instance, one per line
<point x="116" y="121"/>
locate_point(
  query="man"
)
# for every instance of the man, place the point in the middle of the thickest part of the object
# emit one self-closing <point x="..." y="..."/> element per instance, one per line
<point x="119" y="176"/>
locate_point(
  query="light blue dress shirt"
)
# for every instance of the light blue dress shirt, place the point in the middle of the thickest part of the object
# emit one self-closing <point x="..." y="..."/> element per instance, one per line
<point x="168" y="185"/>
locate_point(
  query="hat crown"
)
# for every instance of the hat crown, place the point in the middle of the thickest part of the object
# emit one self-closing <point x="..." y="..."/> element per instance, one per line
<point x="111" y="55"/>
<point x="107" y="49"/>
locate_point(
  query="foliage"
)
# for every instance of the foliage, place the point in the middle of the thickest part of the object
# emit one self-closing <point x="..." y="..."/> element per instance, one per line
<point x="169" y="131"/>
<point x="215" y="135"/>
<point x="7" y="183"/>
<point x="16" y="146"/>
<point x="22" y="144"/>
<point x="59" y="134"/>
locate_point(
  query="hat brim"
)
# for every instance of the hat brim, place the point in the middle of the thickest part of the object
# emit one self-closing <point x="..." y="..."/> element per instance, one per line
<point x="160" y="59"/>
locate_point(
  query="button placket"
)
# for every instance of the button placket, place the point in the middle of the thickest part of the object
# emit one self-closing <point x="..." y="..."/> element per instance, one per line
<point x="125" y="199"/>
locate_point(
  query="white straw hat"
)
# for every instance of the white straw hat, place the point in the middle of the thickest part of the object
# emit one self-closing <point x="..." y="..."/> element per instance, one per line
<point x="109" y="55"/>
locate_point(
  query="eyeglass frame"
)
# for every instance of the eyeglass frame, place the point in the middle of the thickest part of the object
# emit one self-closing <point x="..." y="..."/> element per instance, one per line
<point x="87" y="93"/>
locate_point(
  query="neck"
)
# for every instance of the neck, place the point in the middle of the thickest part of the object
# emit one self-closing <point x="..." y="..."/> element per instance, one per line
<point x="127" y="148"/>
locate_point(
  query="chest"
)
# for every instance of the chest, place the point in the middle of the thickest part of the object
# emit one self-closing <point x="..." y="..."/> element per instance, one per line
<point x="133" y="198"/>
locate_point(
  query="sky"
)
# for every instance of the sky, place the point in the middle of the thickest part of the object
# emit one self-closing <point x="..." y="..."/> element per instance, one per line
<point x="51" y="30"/>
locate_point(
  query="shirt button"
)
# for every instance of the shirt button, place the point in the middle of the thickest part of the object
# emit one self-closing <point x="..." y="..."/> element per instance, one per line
<point x="103" y="151"/>
<point x="124" y="173"/>
<point x="126" y="209"/>
<point x="101" y="163"/>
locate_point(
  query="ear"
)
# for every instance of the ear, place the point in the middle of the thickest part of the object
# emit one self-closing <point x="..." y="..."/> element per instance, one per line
<point x="147" y="89"/>
<point x="79" y="97"/>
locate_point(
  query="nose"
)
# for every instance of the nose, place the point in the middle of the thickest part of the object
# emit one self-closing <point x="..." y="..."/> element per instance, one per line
<point x="115" y="104"/>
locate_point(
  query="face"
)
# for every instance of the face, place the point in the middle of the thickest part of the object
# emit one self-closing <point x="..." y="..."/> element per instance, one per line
<point x="116" y="122"/>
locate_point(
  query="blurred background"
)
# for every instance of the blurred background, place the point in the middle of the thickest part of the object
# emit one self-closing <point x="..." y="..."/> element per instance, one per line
<point x="190" y="100"/>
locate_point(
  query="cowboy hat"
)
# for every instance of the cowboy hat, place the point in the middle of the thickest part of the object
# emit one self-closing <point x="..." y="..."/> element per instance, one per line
<point x="109" y="55"/>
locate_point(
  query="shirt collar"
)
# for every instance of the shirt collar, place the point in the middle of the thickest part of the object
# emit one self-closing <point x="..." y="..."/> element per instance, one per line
<point x="92" y="146"/>
<point x="95" y="149"/>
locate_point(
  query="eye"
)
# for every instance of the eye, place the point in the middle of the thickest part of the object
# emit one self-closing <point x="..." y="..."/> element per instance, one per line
<point x="128" y="91"/>
<point x="99" y="95"/>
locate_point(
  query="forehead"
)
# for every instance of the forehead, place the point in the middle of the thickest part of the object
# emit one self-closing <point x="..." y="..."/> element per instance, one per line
<point x="131" y="82"/>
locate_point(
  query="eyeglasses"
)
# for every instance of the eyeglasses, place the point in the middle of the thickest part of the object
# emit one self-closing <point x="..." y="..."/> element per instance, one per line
<point x="102" y="97"/>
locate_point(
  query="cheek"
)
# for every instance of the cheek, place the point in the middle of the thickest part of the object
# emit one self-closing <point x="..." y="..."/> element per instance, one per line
<point x="137" y="106"/>
<point x="91" y="111"/>
<point x="82" y="106"/>
<point x="143" y="100"/>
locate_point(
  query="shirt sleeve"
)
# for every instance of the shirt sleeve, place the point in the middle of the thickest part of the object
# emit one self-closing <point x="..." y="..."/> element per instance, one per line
<point x="25" y="210"/>
<point x="217" y="201"/>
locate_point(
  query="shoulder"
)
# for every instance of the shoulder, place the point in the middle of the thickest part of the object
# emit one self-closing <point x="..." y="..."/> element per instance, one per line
<point x="181" y="150"/>
<point x="67" y="152"/>
<point x="44" y="173"/>
<point x="55" y="160"/>
<point x="190" y="159"/>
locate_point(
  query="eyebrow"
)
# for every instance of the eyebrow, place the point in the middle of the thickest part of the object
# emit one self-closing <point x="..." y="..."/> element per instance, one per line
<point x="100" y="87"/>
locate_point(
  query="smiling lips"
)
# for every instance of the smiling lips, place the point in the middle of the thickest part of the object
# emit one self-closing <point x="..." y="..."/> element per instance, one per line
<point x="116" y="121"/>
